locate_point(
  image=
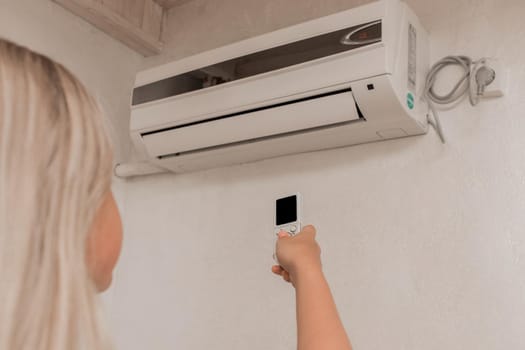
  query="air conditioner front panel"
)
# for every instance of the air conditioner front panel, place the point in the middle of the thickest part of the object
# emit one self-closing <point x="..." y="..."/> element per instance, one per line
<point x="255" y="91"/>
<point x="299" y="116"/>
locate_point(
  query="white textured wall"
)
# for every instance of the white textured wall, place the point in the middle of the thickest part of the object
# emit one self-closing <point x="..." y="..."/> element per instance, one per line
<point x="424" y="243"/>
<point x="106" y="66"/>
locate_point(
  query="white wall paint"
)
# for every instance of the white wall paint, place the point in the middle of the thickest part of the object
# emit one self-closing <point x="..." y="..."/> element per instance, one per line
<point x="423" y="243"/>
<point x="106" y="66"/>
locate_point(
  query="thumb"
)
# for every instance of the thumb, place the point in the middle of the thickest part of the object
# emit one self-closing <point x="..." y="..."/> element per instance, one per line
<point x="309" y="230"/>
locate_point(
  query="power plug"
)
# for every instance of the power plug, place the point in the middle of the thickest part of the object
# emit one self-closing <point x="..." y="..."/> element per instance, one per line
<point x="498" y="86"/>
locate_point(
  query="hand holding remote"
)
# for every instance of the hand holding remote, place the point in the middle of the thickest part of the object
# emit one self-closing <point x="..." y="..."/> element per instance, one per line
<point x="297" y="254"/>
<point x="318" y="324"/>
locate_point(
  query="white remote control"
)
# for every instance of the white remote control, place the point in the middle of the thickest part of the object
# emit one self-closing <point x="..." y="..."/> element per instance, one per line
<point x="288" y="215"/>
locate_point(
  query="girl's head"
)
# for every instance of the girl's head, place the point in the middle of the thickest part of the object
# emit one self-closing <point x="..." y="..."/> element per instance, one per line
<point x="59" y="227"/>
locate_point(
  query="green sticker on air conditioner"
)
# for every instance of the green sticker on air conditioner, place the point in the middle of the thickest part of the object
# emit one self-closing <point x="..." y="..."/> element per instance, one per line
<point x="410" y="100"/>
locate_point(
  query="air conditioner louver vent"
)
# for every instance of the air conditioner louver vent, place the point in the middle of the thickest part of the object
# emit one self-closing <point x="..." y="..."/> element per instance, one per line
<point x="275" y="120"/>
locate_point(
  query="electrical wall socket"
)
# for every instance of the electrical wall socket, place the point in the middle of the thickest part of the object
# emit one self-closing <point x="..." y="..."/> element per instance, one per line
<point x="498" y="88"/>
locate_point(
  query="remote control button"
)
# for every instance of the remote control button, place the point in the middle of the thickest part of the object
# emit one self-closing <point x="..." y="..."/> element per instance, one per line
<point x="293" y="229"/>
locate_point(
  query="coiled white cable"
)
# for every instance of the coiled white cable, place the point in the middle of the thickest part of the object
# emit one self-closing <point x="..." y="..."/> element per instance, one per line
<point x="470" y="83"/>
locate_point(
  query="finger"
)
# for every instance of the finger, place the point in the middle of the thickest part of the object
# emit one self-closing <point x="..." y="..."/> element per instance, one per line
<point x="277" y="269"/>
<point x="286" y="276"/>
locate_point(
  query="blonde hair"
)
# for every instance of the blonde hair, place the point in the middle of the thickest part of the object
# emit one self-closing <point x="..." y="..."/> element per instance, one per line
<point x="55" y="168"/>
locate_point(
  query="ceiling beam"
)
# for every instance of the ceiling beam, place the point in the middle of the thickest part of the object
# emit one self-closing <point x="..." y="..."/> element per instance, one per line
<point x="136" y="23"/>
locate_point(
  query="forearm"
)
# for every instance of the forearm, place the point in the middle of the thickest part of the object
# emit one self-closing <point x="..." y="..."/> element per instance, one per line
<point x="318" y="324"/>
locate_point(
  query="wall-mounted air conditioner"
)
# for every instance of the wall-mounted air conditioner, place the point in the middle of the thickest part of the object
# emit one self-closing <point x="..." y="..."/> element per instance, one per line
<point x="348" y="78"/>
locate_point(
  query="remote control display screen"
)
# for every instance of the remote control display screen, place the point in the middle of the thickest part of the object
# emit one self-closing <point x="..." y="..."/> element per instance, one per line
<point x="286" y="210"/>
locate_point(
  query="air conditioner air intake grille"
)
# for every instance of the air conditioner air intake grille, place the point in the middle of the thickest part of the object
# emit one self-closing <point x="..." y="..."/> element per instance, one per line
<point x="264" y="61"/>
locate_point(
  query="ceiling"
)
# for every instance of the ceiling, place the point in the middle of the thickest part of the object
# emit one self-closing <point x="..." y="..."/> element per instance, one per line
<point x="170" y="3"/>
